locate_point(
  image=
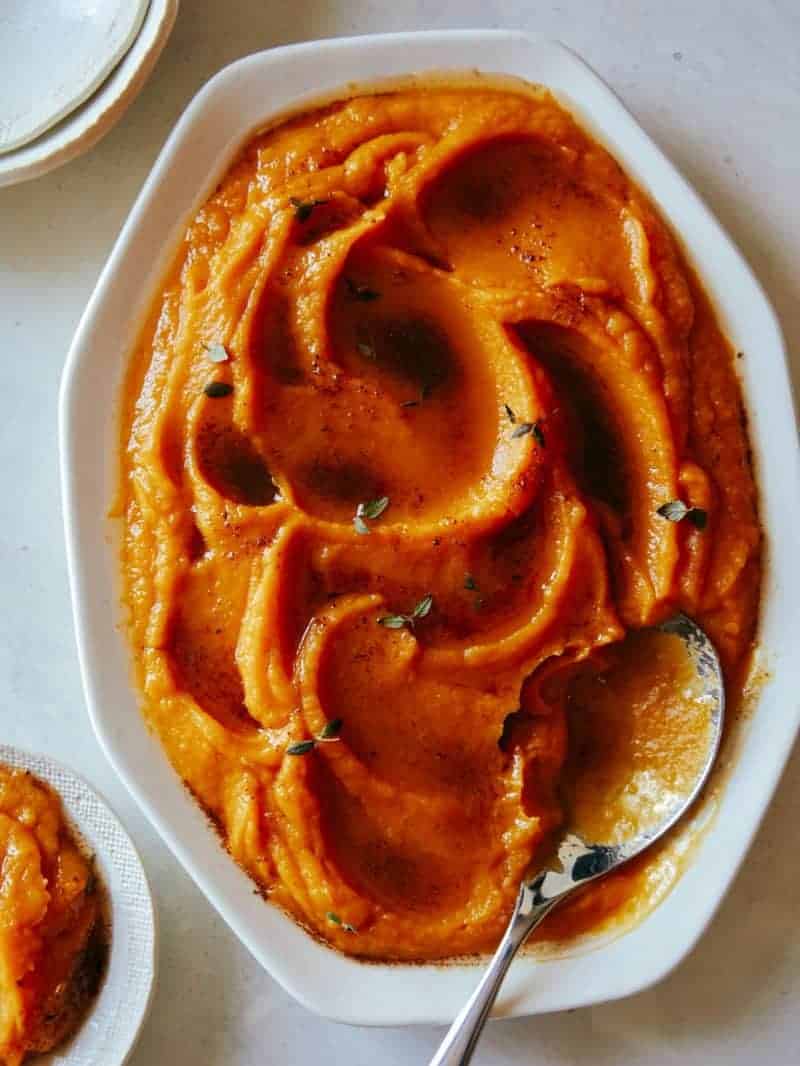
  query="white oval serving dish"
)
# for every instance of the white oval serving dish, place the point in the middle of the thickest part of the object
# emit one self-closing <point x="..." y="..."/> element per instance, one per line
<point x="243" y="97"/>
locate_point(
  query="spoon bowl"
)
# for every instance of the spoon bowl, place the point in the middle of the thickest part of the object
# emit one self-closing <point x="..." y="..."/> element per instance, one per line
<point x="578" y="861"/>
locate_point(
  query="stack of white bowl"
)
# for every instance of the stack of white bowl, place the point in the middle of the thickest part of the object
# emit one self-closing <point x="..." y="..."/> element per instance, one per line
<point x="70" y="68"/>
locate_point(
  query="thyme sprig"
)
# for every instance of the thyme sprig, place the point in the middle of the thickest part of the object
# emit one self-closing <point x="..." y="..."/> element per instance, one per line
<point x="369" y="511"/>
<point x="397" y="621"/>
<point x="329" y="734"/>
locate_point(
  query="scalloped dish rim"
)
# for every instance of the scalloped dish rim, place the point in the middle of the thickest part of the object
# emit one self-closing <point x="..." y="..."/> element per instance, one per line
<point x="215" y="124"/>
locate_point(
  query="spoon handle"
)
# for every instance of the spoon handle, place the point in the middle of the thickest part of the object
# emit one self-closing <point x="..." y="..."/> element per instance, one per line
<point x="462" y="1037"/>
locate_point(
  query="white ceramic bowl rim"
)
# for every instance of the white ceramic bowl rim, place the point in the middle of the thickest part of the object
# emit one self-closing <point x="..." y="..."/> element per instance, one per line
<point x="244" y="96"/>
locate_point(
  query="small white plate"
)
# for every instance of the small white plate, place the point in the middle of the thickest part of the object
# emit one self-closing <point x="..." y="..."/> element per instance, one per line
<point x="90" y="120"/>
<point x="245" y="96"/>
<point x="54" y="54"/>
<point x="107" y="1035"/>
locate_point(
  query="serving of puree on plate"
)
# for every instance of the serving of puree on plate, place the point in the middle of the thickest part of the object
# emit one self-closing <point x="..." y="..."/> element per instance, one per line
<point x="429" y="417"/>
<point x="53" y="938"/>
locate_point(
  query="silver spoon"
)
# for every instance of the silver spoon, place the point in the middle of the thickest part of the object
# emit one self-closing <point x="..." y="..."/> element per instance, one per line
<point x="581" y="862"/>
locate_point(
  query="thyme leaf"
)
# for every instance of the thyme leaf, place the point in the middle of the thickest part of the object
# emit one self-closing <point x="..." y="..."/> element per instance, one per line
<point x="374" y="508"/>
<point x="677" y="510"/>
<point x="333" y="917"/>
<point x="329" y="734"/>
<point x="397" y="621"/>
<point x="332" y="730"/>
<point x="369" y="509"/>
<point x="217" y="352"/>
<point x="304" y="208"/>
<point x="303" y="747"/>
<point x="217" y="389"/>
<point x="423" y="608"/>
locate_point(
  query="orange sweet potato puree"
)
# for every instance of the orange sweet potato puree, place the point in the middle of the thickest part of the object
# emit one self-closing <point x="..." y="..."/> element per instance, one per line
<point x="394" y="446"/>
<point x="52" y="937"/>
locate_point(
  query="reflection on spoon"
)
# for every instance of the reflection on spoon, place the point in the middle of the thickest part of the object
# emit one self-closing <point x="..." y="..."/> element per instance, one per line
<point x="642" y="773"/>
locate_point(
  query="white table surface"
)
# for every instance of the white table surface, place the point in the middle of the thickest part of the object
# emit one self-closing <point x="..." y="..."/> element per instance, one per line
<point x="717" y="83"/>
